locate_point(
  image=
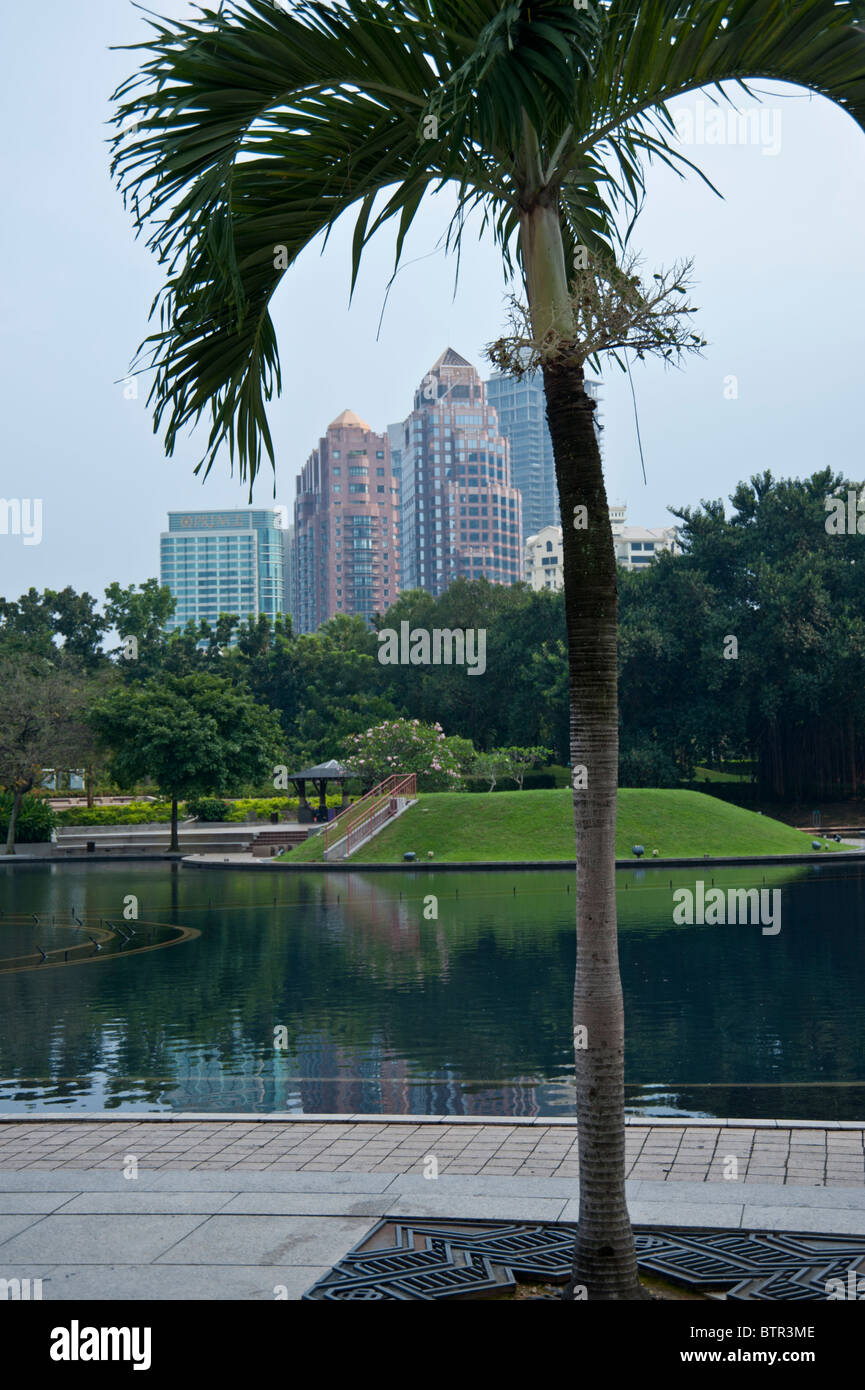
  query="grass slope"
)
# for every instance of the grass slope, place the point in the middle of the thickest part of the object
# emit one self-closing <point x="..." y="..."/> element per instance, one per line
<point x="538" y="825"/>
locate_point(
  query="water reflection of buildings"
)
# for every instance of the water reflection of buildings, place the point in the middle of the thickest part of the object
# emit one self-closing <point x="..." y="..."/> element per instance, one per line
<point x="331" y="1081"/>
<point x="367" y="909"/>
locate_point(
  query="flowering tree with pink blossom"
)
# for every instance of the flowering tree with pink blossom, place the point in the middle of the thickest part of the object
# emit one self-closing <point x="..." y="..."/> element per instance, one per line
<point x="403" y="746"/>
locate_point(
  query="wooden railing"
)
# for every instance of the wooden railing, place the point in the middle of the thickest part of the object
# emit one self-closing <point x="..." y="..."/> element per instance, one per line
<point x="364" y="818"/>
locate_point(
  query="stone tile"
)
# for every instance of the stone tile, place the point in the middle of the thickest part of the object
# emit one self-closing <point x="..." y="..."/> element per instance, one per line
<point x="180" y="1283"/>
<point x="36" y="1203"/>
<point x="481" y="1184"/>
<point x="268" y="1240"/>
<point x="830" y="1220"/>
<point x="98" y="1239"/>
<point x="308" y="1204"/>
<point x="482" y="1208"/>
<point x="135" y="1203"/>
<point x="11" y="1225"/>
<point x="678" y="1213"/>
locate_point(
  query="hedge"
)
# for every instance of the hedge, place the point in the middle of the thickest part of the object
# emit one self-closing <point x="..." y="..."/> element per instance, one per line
<point x="35" y="820"/>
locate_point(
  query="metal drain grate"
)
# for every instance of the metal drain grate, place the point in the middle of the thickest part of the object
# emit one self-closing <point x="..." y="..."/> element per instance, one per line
<point x="459" y="1259"/>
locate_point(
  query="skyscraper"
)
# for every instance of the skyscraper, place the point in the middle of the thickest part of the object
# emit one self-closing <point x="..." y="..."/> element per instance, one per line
<point x="521" y="409"/>
<point x="224" y="562"/>
<point x="460" y="511"/>
<point x="345" y="552"/>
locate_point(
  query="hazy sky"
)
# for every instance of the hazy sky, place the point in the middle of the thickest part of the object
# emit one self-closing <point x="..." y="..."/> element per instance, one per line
<point x="780" y="286"/>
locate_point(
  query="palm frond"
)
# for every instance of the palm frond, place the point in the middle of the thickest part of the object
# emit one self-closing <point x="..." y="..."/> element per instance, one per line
<point x="249" y="132"/>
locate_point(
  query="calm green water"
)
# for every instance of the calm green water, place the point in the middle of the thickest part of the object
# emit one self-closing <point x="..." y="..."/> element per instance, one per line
<point x="386" y="1010"/>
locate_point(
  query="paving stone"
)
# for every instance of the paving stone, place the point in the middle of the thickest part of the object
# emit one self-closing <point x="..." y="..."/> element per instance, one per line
<point x="11" y="1225"/>
<point x="135" y="1203"/>
<point x="307" y="1204"/>
<point x="481" y="1208"/>
<point x="268" y="1240"/>
<point x="97" y="1239"/>
<point x="828" y="1220"/>
<point x="37" y="1203"/>
<point x="178" y="1282"/>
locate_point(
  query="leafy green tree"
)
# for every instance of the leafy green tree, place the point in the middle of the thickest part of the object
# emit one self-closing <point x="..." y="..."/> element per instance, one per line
<point x="793" y="596"/>
<point x="139" y="613"/>
<point x="249" y="132"/>
<point x="338" y="674"/>
<point x="189" y="735"/>
<point x="491" y="766"/>
<point x="500" y="706"/>
<point x="522" y="760"/>
<point x="42" y="726"/>
<point x="34" y="818"/>
<point x="60" y="626"/>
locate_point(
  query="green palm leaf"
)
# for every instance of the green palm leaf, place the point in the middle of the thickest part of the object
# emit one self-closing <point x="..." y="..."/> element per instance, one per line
<point x="247" y="134"/>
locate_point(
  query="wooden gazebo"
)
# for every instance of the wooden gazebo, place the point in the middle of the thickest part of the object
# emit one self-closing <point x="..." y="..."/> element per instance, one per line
<point x="319" y="776"/>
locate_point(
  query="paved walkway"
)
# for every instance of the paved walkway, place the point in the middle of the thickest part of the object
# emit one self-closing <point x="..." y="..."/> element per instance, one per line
<point x="260" y="1208"/>
<point x="810" y="1154"/>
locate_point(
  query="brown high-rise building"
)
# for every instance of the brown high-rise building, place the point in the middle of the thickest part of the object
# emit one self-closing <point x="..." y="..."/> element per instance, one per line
<point x="345" y="557"/>
<point x="460" y="511"/>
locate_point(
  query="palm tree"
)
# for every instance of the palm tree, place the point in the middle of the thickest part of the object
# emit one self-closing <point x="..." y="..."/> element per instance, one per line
<point x="251" y="130"/>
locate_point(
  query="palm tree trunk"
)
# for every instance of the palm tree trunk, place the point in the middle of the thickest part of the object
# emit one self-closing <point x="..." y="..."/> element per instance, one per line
<point x="605" y="1263"/>
<point x="13" y="821"/>
<point x="175" y="843"/>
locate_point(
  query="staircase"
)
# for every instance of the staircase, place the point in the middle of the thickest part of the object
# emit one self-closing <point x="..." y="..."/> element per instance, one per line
<point x="360" y="822"/>
<point x="270" y="842"/>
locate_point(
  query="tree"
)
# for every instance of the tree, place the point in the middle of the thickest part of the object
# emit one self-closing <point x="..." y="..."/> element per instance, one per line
<point x="42" y="726"/>
<point x="403" y="746"/>
<point x="791" y="592"/>
<point x="139" y="613"/>
<point x="190" y="735"/>
<point x="522" y="760"/>
<point x="35" y="621"/>
<point x="251" y="130"/>
<point x="489" y="767"/>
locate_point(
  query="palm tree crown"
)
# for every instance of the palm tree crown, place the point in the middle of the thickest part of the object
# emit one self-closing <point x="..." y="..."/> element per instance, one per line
<point x="249" y="132"/>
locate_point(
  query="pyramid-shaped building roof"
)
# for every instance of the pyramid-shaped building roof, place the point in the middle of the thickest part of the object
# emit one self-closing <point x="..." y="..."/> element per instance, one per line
<point x="348" y="417"/>
<point x="449" y="358"/>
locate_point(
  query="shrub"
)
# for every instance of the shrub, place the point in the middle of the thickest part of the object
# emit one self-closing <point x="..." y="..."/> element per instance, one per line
<point x="35" y="821"/>
<point x="207" y="808"/>
<point x="534" y="781"/>
<point x="646" y="763"/>
<point x="561" y="775"/>
<point x="404" y="746"/>
<point x="135" y="813"/>
<point x="539" y="781"/>
<point x="264" y="806"/>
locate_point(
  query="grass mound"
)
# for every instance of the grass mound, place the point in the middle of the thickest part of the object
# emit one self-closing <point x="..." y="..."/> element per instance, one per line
<point x="538" y="825"/>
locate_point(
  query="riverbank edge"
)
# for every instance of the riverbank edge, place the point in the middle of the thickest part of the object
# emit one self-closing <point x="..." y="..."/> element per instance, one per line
<point x="452" y="866"/>
<point x="458" y="866"/>
<point x="292" y="1117"/>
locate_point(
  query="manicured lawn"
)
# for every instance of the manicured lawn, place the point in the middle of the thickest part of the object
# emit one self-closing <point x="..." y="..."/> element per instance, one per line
<point x="538" y="825"/>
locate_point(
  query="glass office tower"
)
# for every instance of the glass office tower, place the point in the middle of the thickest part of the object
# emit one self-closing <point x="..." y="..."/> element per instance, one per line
<point x="522" y="415"/>
<point x="224" y="562"/>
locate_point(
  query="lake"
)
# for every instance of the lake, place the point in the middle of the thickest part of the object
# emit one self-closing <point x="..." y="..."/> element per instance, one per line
<point x="344" y="993"/>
